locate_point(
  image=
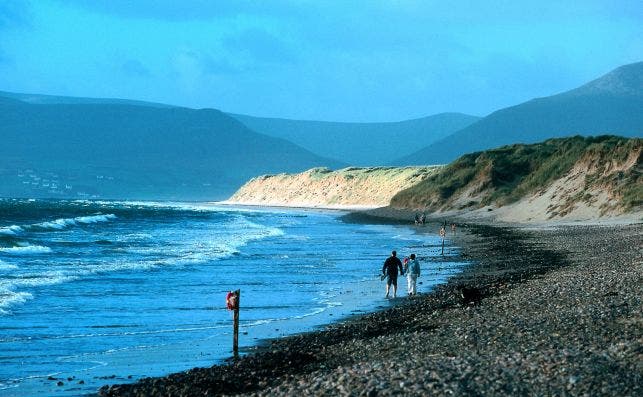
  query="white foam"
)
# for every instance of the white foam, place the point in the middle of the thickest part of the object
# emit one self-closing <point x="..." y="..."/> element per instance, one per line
<point x="26" y="250"/>
<point x="124" y="333"/>
<point x="8" y="298"/>
<point x="58" y="224"/>
<point x="314" y="312"/>
<point x="217" y="246"/>
<point x="95" y="218"/>
<point x="7" y="266"/>
<point x="200" y="207"/>
<point x="40" y="279"/>
<point x="7" y="386"/>
<point x="10" y="230"/>
<point x="62" y="223"/>
<point x="219" y="242"/>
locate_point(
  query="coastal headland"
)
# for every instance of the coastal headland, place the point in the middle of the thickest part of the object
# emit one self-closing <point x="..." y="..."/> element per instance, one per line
<point x="550" y="304"/>
<point x="555" y="311"/>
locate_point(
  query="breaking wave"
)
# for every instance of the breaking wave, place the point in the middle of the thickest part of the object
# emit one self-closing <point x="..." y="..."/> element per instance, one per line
<point x="26" y="250"/>
<point x="7" y="266"/>
<point x="11" y="230"/>
<point x="62" y="223"/>
<point x="57" y="224"/>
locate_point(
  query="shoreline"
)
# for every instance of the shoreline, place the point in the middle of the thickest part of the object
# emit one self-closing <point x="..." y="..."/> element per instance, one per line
<point x="395" y="215"/>
<point x="338" y="207"/>
<point x="348" y="357"/>
<point x="390" y="215"/>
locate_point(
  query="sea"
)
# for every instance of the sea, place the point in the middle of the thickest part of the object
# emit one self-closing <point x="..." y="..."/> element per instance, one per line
<point x="106" y="292"/>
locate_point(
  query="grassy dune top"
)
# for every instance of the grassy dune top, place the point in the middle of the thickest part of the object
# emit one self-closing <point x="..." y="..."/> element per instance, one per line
<point x="604" y="172"/>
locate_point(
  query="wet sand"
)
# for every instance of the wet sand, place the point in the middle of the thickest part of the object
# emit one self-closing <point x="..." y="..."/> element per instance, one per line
<point x="546" y="311"/>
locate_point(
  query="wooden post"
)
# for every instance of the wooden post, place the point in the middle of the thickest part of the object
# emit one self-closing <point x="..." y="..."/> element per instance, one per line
<point x="235" y="337"/>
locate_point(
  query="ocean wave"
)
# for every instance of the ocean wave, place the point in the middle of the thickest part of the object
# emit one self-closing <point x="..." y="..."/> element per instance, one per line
<point x="26" y="250"/>
<point x="63" y="223"/>
<point x="40" y="279"/>
<point x="7" y="266"/>
<point x="118" y="334"/>
<point x="9" y="298"/>
<point x="57" y="224"/>
<point x="138" y="236"/>
<point x="215" y="247"/>
<point x="10" y="230"/>
<point x="29" y="280"/>
<point x="215" y="242"/>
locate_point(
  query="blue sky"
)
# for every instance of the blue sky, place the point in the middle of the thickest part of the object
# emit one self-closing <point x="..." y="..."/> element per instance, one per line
<point x="322" y="60"/>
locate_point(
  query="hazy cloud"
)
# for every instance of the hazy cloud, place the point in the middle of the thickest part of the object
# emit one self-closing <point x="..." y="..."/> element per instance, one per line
<point x="14" y="13"/>
<point x="173" y="10"/>
<point x="260" y="46"/>
<point x="332" y="59"/>
<point x="4" y="59"/>
<point x="219" y="65"/>
<point x="192" y="65"/>
<point x="135" y="68"/>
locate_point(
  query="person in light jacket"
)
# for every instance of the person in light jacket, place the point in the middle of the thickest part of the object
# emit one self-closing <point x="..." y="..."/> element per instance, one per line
<point x="412" y="275"/>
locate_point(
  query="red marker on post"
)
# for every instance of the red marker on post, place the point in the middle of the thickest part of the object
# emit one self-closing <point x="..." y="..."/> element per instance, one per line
<point x="232" y="303"/>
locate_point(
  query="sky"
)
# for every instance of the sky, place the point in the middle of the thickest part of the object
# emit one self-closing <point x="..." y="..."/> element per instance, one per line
<point x="336" y="60"/>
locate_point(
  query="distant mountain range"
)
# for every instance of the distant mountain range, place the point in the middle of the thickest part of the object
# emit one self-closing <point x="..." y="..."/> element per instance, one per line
<point x="40" y="99"/>
<point x="361" y="144"/>
<point x="611" y="104"/>
<point x="112" y="150"/>
<point x="53" y="146"/>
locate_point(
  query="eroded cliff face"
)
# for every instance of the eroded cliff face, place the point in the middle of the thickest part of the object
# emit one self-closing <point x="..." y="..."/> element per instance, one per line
<point x="568" y="179"/>
<point x="321" y="187"/>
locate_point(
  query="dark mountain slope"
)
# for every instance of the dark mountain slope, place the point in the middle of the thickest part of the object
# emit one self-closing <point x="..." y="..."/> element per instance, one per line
<point x="40" y="99"/>
<point x="126" y="151"/>
<point x="361" y="144"/>
<point x="612" y="104"/>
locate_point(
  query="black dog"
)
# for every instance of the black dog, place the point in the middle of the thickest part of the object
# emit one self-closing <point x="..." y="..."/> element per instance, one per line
<point x="470" y="295"/>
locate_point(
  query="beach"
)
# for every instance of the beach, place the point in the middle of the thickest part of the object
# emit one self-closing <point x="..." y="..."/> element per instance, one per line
<point x="548" y="310"/>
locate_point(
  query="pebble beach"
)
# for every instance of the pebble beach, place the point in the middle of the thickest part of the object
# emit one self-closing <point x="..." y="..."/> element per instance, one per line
<point x="541" y="311"/>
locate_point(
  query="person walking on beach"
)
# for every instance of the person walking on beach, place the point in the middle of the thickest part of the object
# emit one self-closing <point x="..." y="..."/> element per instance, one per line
<point x="412" y="274"/>
<point x="390" y="267"/>
<point x="453" y="228"/>
<point x="423" y="218"/>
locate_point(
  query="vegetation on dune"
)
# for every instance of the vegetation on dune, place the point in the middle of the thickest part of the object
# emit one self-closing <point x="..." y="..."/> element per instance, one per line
<point x="371" y="172"/>
<point x="320" y="173"/>
<point x="507" y="174"/>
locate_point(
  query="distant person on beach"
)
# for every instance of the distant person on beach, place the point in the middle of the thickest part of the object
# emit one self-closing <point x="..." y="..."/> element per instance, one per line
<point x="423" y="218"/>
<point x="453" y="228"/>
<point x="391" y="265"/>
<point x="412" y="274"/>
<point x="417" y="219"/>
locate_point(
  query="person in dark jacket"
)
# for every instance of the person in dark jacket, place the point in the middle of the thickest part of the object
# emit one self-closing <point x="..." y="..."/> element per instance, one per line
<point x="390" y="267"/>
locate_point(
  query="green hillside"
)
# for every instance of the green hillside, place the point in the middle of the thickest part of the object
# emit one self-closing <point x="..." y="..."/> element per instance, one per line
<point x="504" y="175"/>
